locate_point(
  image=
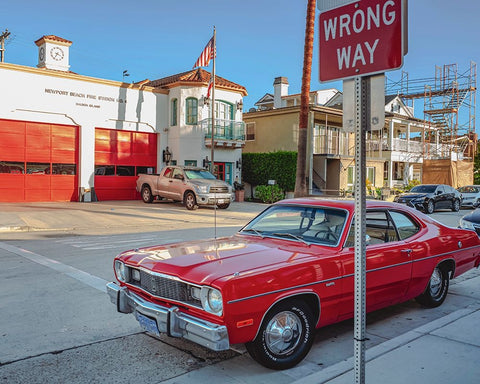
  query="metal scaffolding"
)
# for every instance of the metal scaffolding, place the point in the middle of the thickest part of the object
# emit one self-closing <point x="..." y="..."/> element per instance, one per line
<point x="449" y="103"/>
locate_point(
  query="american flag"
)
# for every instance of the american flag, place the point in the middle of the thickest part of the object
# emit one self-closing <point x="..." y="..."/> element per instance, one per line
<point x="208" y="53"/>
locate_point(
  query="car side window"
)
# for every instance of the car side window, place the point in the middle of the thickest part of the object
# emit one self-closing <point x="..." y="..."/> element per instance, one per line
<point x="406" y="227"/>
<point x="177" y="173"/>
<point x="168" y="172"/>
<point x="379" y="229"/>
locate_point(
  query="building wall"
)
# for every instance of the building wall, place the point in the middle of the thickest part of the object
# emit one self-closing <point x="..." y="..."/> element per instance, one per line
<point x="277" y="131"/>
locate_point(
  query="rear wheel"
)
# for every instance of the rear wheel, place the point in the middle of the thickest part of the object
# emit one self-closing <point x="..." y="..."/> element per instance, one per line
<point x="437" y="289"/>
<point x="190" y="201"/>
<point x="147" y="196"/>
<point x="285" y="336"/>
<point x="456" y="205"/>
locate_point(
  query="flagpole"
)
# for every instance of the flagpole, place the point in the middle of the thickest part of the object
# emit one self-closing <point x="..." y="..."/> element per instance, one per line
<point x="212" y="165"/>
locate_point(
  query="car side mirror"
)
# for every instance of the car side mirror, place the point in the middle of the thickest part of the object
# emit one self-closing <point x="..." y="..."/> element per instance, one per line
<point x="367" y="239"/>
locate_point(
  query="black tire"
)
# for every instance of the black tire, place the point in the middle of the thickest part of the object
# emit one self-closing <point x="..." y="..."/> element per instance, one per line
<point x="190" y="201"/>
<point x="223" y="206"/>
<point x="430" y="208"/>
<point x="285" y="336"/>
<point x="455" y="205"/>
<point x="147" y="196"/>
<point x="437" y="289"/>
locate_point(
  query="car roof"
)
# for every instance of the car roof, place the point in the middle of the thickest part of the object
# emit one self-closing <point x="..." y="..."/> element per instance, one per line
<point x="348" y="204"/>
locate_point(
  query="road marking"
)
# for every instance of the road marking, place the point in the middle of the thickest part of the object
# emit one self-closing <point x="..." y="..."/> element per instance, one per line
<point x="77" y="274"/>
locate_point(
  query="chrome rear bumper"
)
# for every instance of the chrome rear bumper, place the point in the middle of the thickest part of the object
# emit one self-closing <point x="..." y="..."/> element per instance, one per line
<point x="170" y="320"/>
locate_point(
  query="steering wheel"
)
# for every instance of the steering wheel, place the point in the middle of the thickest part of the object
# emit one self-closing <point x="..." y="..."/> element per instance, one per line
<point x="328" y="234"/>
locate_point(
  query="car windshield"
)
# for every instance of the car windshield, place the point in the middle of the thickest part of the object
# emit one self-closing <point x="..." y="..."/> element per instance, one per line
<point x="198" y="174"/>
<point x="310" y="225"/>
<point x="469" y="189"/>
<point x="424" y="188"/>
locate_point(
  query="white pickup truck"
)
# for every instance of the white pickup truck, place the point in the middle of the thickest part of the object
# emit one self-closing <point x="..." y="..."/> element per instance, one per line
<point x="190" y="185"/>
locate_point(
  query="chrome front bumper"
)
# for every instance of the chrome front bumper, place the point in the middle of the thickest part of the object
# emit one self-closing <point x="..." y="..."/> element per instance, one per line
<point x="211" y="198"/>
<point x="171" y="321"/>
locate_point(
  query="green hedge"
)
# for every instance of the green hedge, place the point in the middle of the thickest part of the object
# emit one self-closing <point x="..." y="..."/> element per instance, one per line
<point x="258" y="168"/>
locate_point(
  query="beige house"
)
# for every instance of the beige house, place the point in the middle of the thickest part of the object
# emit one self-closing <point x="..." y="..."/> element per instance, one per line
<point x="395" y="155"/>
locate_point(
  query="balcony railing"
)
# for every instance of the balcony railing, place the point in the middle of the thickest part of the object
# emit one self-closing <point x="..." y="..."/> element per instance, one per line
<point x="224" y="130"/>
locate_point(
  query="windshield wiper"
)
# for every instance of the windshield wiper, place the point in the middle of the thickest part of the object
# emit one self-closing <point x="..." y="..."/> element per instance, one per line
<point x="259" y="233"/>
<point x="299" y="238"/>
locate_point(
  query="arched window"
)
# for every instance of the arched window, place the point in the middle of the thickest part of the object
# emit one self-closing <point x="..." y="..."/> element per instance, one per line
<point x="191" y="111"/>
<point x="173" y="113"/>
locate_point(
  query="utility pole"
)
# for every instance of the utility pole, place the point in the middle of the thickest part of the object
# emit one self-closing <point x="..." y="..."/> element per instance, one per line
<point x="3" y="37"/>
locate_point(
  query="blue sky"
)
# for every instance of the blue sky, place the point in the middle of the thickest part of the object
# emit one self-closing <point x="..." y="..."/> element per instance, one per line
<point x="256" y="40"/>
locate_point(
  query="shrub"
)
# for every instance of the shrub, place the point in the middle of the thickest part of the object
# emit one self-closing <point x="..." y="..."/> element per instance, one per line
<point x="269" y="193"/>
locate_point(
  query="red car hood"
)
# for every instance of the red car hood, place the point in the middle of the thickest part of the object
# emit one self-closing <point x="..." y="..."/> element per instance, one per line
<point x="203" y="262"/>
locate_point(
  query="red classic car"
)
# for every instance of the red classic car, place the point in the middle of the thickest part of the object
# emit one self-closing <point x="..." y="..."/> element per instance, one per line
<point x="287" y="272"/>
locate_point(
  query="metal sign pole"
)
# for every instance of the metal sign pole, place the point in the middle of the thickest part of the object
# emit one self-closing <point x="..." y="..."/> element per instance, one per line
<point x="361" y="126"/>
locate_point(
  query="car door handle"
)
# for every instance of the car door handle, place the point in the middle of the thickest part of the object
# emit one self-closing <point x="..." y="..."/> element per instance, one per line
<point x="407" y="251"/>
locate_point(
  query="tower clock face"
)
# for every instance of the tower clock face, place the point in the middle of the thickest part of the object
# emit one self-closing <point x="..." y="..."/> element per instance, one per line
<point x="56" y="53"/>
<point x="41" y="54"/>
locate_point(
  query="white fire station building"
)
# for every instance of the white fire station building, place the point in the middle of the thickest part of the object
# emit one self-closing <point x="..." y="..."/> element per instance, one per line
<point x="68" y="137"/>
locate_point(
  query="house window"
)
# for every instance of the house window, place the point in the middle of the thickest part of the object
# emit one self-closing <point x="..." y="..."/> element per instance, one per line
<point x="191" y="111"/>
<point x="173" y="115"/>
<point x="250" y="131"/>
<point x="351" y="175"/>
<point x="385" y="170"/>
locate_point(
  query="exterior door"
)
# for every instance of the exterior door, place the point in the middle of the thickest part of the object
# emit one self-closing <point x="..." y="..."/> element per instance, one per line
<point x="38" y="161"/>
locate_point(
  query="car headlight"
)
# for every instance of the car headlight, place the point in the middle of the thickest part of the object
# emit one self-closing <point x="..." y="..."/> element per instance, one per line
<point x="202" y="188"/>
<point x="212" y="300"/>
<point x="122" y="271"/>
<point x="465" y="224"/>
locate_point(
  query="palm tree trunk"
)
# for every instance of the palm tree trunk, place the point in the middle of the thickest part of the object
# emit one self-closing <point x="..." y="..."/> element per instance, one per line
<point x="301" y="177"/>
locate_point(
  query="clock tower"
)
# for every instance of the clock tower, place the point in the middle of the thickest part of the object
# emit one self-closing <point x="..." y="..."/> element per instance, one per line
<point x="53" y="53"/>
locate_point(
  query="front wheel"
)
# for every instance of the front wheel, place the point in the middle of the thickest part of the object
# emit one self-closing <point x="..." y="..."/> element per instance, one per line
<point x="223" y="206"/>
<point x="147" y="196"/>
<point x="190" y="201"/>
<point x="456" y="205"/>
<point x="437" y="289"/>
<point x="285" y="336"/>
<point x="430" y="207"/>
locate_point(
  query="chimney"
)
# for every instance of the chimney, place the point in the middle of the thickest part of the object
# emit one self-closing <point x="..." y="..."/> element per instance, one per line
<point x="280" y="88"/>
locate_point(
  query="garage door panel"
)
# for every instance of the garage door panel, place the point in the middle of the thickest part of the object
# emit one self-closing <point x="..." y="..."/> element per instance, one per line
<point x="124" y="148"/>
<point x="39" y="145"/>
<point x="64" y="188"/>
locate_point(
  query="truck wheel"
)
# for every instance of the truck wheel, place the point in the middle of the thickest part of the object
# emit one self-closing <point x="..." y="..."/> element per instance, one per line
<point x="147" y="196"/>
<point x="223" y="206"/>
<point x="190" y="201"/>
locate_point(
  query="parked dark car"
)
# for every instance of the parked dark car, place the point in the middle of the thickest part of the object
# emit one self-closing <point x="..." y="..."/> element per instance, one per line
<point x="471" y="221"/>
<point x="430" y="197"/>
<point x="470" y="195"/>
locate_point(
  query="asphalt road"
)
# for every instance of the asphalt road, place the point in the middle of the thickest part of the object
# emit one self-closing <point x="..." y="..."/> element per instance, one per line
<point x="58" y="325"/>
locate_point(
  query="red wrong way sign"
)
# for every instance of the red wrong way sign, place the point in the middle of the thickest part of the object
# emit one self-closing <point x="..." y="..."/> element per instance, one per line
<point x="361" y="38"/>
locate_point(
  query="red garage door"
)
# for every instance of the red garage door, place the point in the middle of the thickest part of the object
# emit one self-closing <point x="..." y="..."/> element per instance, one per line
<point x="38" y="162"/>
<point x="119" y="157"/>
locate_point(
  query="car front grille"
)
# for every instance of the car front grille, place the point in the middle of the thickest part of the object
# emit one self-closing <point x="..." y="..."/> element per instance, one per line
<point x="220" y="189"/>
<point x="166" y="288"/>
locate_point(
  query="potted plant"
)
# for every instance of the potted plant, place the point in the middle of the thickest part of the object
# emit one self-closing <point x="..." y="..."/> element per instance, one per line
<point x="239" y="191"/>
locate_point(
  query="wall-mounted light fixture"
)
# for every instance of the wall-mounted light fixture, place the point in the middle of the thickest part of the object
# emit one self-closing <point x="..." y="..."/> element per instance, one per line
<point x="206" y="100"/>
<point x="167" y="156"/>
<point x="206" y="162"/>
<point x="240" y="106"/>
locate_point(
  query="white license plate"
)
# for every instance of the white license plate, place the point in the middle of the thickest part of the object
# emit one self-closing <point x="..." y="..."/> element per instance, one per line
<point x="220" y="201"/>
<point x="147" y="324"/>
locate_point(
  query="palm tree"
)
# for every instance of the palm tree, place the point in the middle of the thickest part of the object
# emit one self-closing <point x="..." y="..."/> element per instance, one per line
<point x="301" y="179"/>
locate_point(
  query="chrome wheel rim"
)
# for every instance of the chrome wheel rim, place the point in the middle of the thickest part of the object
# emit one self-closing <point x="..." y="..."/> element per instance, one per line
<point x="190" y="201"/>
<point x="282" y="334"/>
<point x="146" y="194"/>
<point x="436" y="283"/>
